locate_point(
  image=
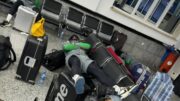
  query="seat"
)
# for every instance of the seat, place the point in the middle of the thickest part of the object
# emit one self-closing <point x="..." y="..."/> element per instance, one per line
<point x="51" y="10"/>
<point x="92" y="23"/>
<point x="106" y="32"/>
<point x="74" y="20"/>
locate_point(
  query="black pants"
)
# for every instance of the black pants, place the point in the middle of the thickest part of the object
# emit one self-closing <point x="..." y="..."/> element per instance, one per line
<point x="18" y="3"/>
<point x="15" y="6"/>
<point x="92" y="69"/>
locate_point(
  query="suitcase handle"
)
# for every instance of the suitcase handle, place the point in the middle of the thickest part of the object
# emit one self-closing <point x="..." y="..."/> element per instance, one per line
<point x="29" y="61"/>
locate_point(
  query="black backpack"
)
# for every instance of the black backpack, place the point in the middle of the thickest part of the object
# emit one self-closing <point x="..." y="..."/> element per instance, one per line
<point x="7" y="54"/>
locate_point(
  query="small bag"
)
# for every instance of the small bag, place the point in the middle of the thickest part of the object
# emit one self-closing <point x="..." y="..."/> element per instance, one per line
<point x="37" y="29"/>
<point x="7" y="54"/>
<point x="54" y="60"/>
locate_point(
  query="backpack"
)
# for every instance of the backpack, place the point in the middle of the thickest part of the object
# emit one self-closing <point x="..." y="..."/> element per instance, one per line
<point x="7" y="54"/>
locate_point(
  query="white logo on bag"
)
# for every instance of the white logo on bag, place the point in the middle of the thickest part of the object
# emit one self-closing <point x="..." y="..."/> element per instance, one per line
<point x="62" y="94"/>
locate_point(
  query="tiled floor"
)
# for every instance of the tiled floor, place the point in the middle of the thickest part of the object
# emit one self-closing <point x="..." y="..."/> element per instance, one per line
<point x="15" y="90"/>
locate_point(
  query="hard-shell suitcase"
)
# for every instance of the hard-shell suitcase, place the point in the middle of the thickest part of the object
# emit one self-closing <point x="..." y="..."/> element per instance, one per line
<point x="31" y="58"/>
<point x="61" y="89"/>
<point x="25" y="17"/>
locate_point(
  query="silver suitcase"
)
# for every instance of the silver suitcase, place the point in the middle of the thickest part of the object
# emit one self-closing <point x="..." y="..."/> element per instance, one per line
<point x="25" y="17"/>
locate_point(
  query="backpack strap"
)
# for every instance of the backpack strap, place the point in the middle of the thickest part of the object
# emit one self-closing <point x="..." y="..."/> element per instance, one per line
<point x="13" y="54"/>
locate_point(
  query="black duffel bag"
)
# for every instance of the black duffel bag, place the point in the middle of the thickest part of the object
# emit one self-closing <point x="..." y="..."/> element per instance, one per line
<point x="7" y="54"/>
<point x="54" y="60"/>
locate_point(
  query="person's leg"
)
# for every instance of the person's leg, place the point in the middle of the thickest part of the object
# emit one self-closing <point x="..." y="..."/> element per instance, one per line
<point x="15" y="7"/>
<point x="81" y="62"/>
<point x="75" y="66"/>
<point x="12" y="11"/>
<point x="100" y="75"/>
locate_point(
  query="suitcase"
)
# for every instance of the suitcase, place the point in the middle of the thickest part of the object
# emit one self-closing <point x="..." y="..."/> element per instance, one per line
<point x="169" y="62"/>
<point x="31" y="59"/>
<point x="25" y="17"/>
<point x="61" y="89"/>
<point x="175" y="71"/>
<point x="118" y="40"/>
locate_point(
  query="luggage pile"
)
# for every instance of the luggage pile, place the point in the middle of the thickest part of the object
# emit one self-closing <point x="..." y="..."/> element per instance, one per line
<point x="125" y="76"/>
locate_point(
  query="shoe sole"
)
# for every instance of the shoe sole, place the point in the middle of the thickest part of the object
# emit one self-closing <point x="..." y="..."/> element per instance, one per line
<point x="79" y="85"/>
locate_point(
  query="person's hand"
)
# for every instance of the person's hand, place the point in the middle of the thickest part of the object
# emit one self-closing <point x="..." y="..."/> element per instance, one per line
<point x="107" y="99"/>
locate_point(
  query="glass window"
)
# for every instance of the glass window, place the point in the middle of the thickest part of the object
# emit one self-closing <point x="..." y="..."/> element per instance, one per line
<point x="154" y="11"/>
<point x="126" y="5"/>
<point x="158" y="10"/>
<point x="171" y="19"/>
<point x="144" y="7"/>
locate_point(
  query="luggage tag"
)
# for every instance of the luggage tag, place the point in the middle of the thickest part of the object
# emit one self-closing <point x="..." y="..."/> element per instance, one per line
<point x="29" y="61"/>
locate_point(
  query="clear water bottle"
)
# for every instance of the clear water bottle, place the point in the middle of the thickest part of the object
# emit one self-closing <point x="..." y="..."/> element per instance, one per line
<point x="62" y="34"/>
<point x="42" y="78"/>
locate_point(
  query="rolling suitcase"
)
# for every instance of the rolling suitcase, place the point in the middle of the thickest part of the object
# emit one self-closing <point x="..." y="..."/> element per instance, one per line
<point x="25" y="17"/>
<point x="31" y="58"/>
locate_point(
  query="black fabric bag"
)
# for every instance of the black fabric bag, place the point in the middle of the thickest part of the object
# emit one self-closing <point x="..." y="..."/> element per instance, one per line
<point x="7" y="54"/>
<point x="177" y="86"/>
<point x="54" y="60"/>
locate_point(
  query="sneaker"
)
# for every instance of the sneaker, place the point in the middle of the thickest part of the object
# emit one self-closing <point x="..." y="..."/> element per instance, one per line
<point x="79" y="83"/>
<point x="5" y="24"/>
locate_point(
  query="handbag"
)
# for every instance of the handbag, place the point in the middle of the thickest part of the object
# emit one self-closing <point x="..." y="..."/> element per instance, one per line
<point x="37" y="29"/>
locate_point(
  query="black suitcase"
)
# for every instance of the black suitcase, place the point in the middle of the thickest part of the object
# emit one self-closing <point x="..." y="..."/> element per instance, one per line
<point x="61" y="89"/>
<point x="31" y="58"/>
<point x="177" y="86"/>
<point x="118" y="40"/>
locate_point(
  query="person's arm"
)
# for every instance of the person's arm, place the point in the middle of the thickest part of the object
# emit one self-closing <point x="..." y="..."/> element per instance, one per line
<point x="75" y="45"/>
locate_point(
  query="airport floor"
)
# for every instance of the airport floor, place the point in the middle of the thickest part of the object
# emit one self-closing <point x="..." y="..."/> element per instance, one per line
<point x="15" y="90"/>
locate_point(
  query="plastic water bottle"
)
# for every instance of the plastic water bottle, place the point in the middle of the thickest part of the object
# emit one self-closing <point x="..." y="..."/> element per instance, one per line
<point x="42" y="78"/>
<point x="61" y="35"/>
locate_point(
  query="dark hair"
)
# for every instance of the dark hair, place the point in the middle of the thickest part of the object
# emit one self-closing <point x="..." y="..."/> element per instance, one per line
<point x="74" y="38"/>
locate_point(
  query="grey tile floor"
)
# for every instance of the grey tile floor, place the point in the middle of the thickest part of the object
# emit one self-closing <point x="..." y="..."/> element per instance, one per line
<point x="15" y="90"/>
